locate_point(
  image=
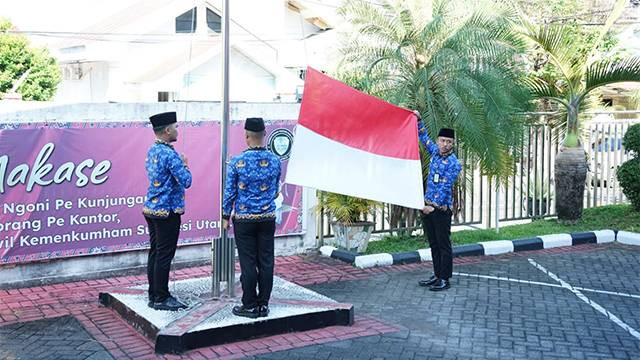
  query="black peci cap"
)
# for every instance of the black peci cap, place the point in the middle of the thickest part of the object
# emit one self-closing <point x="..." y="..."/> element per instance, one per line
<point x="254" y="124"/>
<point x="448" y="133"/>
<point x="163" y="119"/>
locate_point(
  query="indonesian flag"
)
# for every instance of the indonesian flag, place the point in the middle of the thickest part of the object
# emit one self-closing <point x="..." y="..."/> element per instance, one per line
<point x="351" y="143"/>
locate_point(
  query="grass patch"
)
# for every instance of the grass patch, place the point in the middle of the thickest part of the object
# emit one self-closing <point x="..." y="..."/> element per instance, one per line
<point x="617" y="217"/>
<point x="394" y="244"/>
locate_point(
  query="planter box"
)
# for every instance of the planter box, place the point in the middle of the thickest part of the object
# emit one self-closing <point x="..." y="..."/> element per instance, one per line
<point x="352" y="237"/>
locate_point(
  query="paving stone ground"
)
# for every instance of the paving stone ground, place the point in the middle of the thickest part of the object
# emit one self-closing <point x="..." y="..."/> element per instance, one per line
<point x="492" y="319"/>
<point x="478" y="318"/>
<point x="56" y="338"/>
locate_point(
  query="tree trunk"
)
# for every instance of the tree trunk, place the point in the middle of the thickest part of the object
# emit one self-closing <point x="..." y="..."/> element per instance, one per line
<point x="570" y="175"/>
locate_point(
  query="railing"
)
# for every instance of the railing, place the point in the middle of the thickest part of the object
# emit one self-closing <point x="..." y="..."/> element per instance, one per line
<point x="605" y="153"/>
<point x="529" y="192"/>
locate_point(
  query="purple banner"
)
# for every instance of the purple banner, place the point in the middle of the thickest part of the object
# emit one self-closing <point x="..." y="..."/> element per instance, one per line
<point x="78" y="188"/>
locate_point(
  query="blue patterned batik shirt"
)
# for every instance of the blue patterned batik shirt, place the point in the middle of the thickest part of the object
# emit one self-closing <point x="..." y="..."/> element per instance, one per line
<point x="168" y="177"/>
<point x="443" y="172"/>
<point x="252" y="185"/>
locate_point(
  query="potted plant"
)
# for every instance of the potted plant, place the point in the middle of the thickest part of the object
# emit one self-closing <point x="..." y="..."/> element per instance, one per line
<point x="351" y="230"/>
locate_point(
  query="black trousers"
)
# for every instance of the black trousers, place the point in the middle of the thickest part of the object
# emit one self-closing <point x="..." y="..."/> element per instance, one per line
<point x="437" y="229"/>
<point x="163" y="239"/>
<point x="254" y="240"/>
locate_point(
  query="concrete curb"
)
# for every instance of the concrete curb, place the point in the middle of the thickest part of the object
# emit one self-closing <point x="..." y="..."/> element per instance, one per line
<point x="629" y="238"/>
<point x="486" y="248"/>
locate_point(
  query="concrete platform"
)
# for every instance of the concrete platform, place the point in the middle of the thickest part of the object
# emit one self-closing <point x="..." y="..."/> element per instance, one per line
<point x="209" y="321"/>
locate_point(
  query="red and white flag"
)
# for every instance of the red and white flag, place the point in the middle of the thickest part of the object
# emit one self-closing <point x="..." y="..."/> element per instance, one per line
<point x="351" y="143"/>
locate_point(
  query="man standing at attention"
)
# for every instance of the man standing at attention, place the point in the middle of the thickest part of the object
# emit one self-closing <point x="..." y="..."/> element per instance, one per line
<point x="444" y="168"/>
<point x="168" y="176"/>
<point x="250" y="190"/>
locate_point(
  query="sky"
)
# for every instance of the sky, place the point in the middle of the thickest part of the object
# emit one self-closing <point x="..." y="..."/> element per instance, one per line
<point x="57" y="15"/>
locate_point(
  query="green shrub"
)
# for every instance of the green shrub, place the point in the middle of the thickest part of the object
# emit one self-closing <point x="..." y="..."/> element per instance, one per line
<point x="629" y="172"/>
<point x="629" y="178"/>
<point x="631" y="139"/>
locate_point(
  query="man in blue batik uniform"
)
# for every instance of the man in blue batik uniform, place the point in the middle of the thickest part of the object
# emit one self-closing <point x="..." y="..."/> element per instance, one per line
<point x="168" y="177"/>
<point x="251" y="187"/>
<point x="444" y="168"/>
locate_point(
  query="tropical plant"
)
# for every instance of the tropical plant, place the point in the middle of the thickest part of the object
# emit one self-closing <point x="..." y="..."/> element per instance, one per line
<point x="571" y="14"/>
<point x="629" y="172"/>
<point x="17" y="58"/>
<point x="345" y="209"/>
<point x="579" y="76"/>
<point x="458" y="70"/>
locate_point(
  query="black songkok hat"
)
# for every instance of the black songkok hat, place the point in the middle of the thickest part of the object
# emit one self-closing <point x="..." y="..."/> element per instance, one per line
<point x="254" y="124"/>
<point x="448" y="133"/>
<point x="163" y="119"/>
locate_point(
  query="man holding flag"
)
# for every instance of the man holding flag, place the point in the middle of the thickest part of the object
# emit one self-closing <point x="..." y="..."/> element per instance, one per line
<point x="355" y="144"/>
<point x="444" y="168"/>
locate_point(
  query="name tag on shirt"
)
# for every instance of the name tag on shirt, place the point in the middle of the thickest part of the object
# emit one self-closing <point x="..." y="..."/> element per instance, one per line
<point x="436" y="177"/>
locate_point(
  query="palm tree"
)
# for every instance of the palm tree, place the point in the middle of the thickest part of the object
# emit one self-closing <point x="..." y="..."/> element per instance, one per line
<point x="458" y="70"/>
<point x="578" y="75"/>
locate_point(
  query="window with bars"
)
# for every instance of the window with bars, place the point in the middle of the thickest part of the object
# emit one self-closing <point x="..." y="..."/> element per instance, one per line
<point x="213" y="21"/>
<point x="186" y="23"/>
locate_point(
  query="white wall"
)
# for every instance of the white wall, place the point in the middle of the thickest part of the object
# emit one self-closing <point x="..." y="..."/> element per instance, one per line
<point x="247" y="81"/>
<point x="262" y="17"/>
<point x="293" y="51"/>
<point x="91" y="87"/>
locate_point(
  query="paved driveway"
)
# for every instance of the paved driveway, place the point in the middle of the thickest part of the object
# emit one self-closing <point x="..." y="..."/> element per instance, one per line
<point x="576" y="305"/>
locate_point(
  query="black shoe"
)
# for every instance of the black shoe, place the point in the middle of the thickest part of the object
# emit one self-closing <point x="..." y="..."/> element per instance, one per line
<point x="152" y="299"/>
<point x="240" y="310"/>
<point x="170" y="304"/>
<point x="432" y="280"/>
<point x="440" y="284"/>
<point x="263" y="310"/>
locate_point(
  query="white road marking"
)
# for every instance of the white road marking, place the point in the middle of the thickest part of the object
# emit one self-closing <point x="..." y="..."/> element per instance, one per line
<point x="582" y="297"/>
<point x="502" y="278"/>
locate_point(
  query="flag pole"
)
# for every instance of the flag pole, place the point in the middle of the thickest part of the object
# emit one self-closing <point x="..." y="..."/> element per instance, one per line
<point x="222" y="258"/>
